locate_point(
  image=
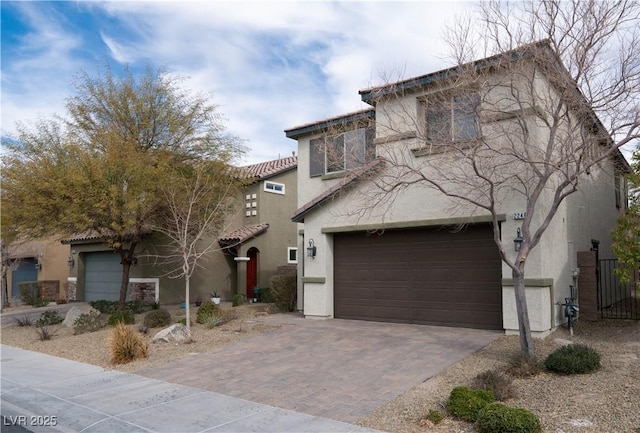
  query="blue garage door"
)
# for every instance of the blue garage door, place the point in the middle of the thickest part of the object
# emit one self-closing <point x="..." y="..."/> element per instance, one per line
<point x="26" y="272"/>
<point x="102" y="276"/>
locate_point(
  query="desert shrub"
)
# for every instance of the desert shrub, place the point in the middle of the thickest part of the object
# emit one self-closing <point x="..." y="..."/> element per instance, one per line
<point x="206" y="311"/>
<point x="524" y="366"/>
<point x="30" y="292"/>
<point x="45" y="333"/>
<point x="573" y="359"/>
<point x="499" y="384"/>
<point x="465" y="403"/>
<point x="49" y="317"/>
<point x="214" y="321"/>
<point x="126" y="345"/>
<point x="435" y="416"/>
<point x="88" y="322"/>
<point x="143" y="329"/>
<point x="183" y="321"/>
<point x="265" y="295"/>
<point x="40" y="303"/>
<point x="121" y="316"/>
<point x="157" y="318"/>
<point x="23" y="320"/>
<point x="284" y="291"/>
<point x="137" y="306"/>
<point x="238" y="299"/>
<point x="498" y="418"/>
<point x="104" y="306"/>
<point x="61" y="301"/>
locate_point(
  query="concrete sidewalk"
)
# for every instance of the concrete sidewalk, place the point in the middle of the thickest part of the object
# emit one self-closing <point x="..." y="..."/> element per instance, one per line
<point x="69" y="396"/>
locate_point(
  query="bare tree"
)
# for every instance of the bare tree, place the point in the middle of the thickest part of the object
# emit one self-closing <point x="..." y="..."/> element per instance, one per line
<point x="199" y="200"/>
<point x="554" y="98"/>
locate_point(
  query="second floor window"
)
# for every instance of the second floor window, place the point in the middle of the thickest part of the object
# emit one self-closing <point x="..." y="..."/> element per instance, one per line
<point x="341" y="152"/>
<point x="453" y="119"/>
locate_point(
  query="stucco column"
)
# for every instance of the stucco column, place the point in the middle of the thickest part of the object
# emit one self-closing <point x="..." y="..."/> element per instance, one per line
<point x="241" y="272"/>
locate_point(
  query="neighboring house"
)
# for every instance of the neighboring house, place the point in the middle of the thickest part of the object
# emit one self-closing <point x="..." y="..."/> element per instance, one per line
<point x="44" y="260"/>
<point x="259" y="241"/>
<point x="419" y="260"/>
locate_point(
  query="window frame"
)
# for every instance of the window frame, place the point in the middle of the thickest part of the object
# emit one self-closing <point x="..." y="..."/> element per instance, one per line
<point x="321" y="165"/>
<point x="289" y="259"/>
<point x="276" y="184"/>
<point x="453" y="109"/>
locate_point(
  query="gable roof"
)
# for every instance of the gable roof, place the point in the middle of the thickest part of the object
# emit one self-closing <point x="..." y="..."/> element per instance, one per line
<point x="242" y="234"/>
<point x="320" y="125"/>
<point x="267" y="169"/>
<point x="346" y="182"/>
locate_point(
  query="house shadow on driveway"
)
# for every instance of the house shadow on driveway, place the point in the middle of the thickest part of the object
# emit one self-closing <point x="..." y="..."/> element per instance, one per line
<point x="337" y="369"/>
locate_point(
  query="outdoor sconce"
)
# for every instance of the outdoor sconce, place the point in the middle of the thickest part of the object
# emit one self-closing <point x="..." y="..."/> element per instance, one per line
<point x="311" y="249"/>
<point x="38" y="266"/>
<point x="518" y="240"/>
<point x="134" y="260"/>
<point x="71" y="262"/>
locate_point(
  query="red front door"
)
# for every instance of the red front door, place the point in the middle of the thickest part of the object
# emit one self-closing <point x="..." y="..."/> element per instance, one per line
<point x="252" y="272"/>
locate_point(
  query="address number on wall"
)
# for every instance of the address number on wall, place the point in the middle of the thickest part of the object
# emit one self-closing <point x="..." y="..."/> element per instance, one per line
<point x="519" y="215"/>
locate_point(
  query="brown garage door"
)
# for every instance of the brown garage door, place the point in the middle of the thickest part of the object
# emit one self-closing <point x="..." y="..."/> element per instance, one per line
<point x="427" y="276"/>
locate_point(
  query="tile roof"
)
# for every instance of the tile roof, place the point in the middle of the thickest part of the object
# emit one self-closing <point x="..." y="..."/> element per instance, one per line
<point x="242" y="234"/>
<point x="267" y="169"/>
<point x="347" y="182"/>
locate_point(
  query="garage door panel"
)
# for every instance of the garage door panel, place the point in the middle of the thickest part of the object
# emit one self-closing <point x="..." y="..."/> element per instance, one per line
<point x="423" y="276"/>
<point x="102" y="276"/>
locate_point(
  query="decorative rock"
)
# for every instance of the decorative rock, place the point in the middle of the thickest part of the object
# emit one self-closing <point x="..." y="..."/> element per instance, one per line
<point x="562" y="341"/>
<point x="173" y="333"/>
<point x="75" y="312"/>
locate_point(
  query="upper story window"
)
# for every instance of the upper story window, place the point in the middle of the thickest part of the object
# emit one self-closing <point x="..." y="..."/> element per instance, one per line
<point x="453" y="119"/>
<point x="341" y="152"/>
<point x="277" y="188"/>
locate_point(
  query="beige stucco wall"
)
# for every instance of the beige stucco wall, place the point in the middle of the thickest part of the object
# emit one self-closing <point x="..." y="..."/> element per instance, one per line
<point x="588" y="214"/>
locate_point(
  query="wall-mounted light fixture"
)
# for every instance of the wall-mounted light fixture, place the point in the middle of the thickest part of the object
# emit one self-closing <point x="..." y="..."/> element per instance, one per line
<point x="134" y="260"/>
<point x="38" y="265"/>
<point x="517" y="242"/>
<point x="311" y="249"/>
<point x="71" y="261"/>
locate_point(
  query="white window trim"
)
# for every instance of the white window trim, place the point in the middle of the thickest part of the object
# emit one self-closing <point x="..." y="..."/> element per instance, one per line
<point x="289" y="249"/>
<point x="268" y="182"/>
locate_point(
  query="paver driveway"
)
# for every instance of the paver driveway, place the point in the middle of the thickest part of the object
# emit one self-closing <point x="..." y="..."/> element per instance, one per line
<point x="338" y="369"/>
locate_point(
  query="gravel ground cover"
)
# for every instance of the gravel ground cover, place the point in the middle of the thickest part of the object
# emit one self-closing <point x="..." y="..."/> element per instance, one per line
<point x="607" y="401"/>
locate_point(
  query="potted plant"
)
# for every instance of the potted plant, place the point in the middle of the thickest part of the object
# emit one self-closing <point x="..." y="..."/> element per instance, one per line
<point x="198" y="301"/>
<point x="215" y="298"/>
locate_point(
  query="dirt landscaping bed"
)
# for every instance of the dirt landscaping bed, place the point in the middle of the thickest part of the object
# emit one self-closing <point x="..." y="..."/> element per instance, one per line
<point x="607" y="401"/>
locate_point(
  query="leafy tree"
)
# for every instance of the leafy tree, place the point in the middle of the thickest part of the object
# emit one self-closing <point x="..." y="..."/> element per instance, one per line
<point x="626" y="236"/>
<point x="557" y="94"/>
<point x="100" y="171"/>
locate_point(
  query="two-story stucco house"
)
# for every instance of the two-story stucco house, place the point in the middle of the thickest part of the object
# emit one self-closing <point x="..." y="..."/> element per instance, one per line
<point x="259" y="240"/>
<point x="415" y="255"/>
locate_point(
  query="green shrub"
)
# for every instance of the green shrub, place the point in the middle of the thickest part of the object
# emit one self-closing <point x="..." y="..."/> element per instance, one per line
<point x="206" y="311"/>
<point x="239" y="299"/>
<point x="88" y="322"/>
<point x="40" y="303"/>
<point x="126" y="345"/>
<point x="30" y="292"/>
<point x="139" y="307"/>
<point x="465" y="403"/>
<point x="49" y="317"/>
<point x="265" y="295"/>
<point x="500" y="385"/>
<point x="498" y="418"/>
<point x="284" y="290"/>
<point x="121" y="316"/>
<point x="435" y="416"/>
<point x="104" y="306"/>
<point x="157" y="318"/>
<point x="183" y="321"/>
<point x="573" y="359"/>
<point x="524" y="366"/>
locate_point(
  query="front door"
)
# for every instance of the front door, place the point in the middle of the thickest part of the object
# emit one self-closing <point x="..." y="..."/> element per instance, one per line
<point x="252" y="272"/>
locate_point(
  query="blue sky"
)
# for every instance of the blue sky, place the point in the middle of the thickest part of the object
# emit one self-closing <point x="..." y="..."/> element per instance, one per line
<point x="268" y="65"/>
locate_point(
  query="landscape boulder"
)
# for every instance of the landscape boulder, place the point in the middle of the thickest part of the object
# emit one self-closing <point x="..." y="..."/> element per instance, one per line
<point x="174" y="333"/>
<point x="75" y="312"/>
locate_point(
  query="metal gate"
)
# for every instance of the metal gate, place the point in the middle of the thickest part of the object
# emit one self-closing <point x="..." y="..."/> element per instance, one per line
<point x="615" y="299"/>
